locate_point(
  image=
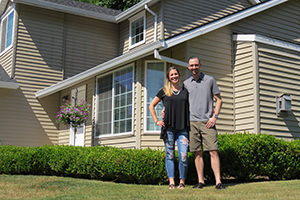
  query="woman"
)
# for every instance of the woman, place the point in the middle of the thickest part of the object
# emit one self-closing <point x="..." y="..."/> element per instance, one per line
<point x="175" y="122"/>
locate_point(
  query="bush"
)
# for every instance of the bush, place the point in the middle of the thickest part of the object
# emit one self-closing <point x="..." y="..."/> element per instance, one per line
<point x="243" y="156"/>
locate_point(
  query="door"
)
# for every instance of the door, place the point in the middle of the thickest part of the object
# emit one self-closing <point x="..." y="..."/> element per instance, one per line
<point x="78" y="138"/>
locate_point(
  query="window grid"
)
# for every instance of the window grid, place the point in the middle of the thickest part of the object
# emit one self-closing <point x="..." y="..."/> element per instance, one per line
<point x="115" y="107"/>
<point x="137" y="31"/>
<point x="104" y="105"/>
<point x="123" y="101"/>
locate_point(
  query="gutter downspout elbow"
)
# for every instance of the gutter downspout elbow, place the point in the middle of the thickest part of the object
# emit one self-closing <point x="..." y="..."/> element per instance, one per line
<point x="155" y="21"/>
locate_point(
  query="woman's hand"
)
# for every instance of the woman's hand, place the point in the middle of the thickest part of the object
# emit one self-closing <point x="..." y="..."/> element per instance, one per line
<point x="160" y="123"/>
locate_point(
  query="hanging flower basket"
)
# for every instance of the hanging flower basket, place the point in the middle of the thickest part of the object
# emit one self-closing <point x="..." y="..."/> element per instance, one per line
<point x="73" y="115"/>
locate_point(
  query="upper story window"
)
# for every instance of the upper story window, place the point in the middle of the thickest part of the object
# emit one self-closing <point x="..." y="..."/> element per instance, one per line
<point x="137" y="30"/>
<point x="114" y="103"/>
<point x="7" y="24"/>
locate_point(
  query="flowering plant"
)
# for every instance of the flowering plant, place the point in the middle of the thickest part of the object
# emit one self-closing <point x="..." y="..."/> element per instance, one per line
<point x="73" y="115"/>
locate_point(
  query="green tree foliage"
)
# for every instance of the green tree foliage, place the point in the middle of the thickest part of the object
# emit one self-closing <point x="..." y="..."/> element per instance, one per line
<point x="114" y="4"/>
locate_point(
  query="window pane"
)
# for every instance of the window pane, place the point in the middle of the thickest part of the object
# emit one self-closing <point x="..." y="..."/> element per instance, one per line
<point x="3" y="34"/>
<point x="123" y="100"/>
<point x="9" y="29"/>
<point x="155" y="81"/>
<point x="104" y="92"/>
<point x="137" y="30"/>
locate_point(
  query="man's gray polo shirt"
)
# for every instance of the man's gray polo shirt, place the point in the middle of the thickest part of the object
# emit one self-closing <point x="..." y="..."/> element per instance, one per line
<point x="201" y="93"/>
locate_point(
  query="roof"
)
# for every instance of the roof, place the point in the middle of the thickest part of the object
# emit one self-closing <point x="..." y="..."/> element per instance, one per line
<point x="76" y="8"/>
<point x="6" y="81"/>
<point x="160" y="45"/>
<point x="86" y="6"/>
<point x="86" y="9"/>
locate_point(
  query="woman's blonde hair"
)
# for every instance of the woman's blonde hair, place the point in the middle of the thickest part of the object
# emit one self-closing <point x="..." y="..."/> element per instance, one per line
<point x="167" y="88"/>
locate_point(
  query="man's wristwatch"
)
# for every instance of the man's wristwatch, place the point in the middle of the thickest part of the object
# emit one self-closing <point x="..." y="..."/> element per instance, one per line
<point x="216" y="116"/>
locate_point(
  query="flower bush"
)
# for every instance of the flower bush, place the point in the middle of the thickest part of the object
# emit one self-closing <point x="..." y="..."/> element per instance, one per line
<point x="73" y="115"/>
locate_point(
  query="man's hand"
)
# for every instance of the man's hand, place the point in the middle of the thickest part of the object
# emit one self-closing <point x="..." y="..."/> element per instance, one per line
<point x="211" y="122"/>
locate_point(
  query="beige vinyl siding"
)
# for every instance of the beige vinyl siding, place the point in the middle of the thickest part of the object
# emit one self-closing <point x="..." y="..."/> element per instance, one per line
<point x="279" y="72"/>
<point x="243" y="87"/>
<point x="181" y="16"/>
<point x="214" y="50"/>
<point x="64" y="131"/>
<point x="280" y="22"/>
<point x="138" y="119"/>
<point x="6" y="61"/>
<point x="126" y="141"/>
<point x="124" y="29"/>
<point x="19" y="124"/>
<point x="38" y="65"/>
<point x="88" y="42"/>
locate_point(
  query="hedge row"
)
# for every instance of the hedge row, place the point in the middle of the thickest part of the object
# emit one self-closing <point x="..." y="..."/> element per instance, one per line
<point x="243" y="156"/>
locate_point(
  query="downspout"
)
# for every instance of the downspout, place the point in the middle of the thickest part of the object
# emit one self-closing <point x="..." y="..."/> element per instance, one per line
<point x="155" y="21"/>
<point x="169" y="60"/>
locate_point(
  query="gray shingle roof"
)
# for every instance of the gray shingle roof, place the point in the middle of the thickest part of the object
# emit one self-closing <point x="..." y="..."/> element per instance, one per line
<point x="85" y="6"/>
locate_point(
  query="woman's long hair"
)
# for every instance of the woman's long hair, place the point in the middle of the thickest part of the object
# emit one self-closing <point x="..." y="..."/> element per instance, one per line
<point x="167" y="88"/>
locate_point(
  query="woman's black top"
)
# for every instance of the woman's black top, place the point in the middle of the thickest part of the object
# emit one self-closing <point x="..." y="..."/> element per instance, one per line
<point x="176" y="110"/>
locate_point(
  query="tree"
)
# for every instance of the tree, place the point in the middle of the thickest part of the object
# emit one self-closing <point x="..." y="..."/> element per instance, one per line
<point x="114" y="4"/>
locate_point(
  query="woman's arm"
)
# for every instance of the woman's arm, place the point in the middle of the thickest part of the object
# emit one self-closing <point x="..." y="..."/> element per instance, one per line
<point x="152" y="105"/>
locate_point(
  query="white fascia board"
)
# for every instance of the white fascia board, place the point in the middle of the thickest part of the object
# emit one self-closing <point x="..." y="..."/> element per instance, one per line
<point x="254" y="1"/>
<point x="134" y="9"/>
<point x="9" y="85"/>
<point x="67" y="9"/>
<point x="222" y="22"/>
<point x="111" y="64"/>
<point x="266" y="40"/>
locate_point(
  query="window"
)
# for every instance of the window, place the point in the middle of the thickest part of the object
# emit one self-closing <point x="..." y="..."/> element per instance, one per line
<point x="137" y="30"/>
<point x="114" y="102"/>
<point x="154" y="82"/>
<point x="7" y="24"/>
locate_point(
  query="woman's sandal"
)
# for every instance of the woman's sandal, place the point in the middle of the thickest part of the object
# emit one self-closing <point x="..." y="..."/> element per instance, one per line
<point x="181" y="186"/>
<point x="171" y="186"/>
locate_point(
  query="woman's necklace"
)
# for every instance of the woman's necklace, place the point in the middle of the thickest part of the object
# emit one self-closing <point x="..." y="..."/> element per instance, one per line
<point x="176" y="92"/>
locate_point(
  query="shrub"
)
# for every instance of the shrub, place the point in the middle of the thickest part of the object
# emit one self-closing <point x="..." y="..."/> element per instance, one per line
<point x="243" y="156"/>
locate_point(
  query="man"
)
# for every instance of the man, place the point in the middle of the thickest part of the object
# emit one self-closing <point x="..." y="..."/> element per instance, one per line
<point x="203" y="90"/>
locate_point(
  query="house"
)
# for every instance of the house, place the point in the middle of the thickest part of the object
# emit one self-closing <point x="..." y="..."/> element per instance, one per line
<point x="59" y="51"/>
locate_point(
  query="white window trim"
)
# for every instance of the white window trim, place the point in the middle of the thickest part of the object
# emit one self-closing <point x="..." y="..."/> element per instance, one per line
<point x="141" y="14"/>
<point x="114" y="135"/>
<point x="146" y="92"/>
<point x="13" y="29"/>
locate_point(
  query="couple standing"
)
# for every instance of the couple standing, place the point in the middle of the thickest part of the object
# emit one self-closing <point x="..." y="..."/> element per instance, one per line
<point x="189" y="108"/>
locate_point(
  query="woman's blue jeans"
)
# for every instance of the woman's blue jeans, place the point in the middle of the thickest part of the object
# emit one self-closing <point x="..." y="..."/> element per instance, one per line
<point x="181" y="137"/>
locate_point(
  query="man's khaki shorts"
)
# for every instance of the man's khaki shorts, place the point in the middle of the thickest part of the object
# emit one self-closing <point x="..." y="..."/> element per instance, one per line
<point x="202" y="138"/>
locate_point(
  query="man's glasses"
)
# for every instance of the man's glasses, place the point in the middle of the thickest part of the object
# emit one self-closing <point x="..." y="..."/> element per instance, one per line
<point x="194" y="65"/>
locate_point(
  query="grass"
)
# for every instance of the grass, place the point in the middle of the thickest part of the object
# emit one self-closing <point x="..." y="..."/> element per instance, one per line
<point x="52" y="187"/>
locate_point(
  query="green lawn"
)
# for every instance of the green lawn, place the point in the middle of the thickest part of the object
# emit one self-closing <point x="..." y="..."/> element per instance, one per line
<point x="52" y="187"/>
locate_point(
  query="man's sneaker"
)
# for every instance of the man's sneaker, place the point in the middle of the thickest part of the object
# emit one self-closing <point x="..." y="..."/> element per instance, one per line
<point x="220" y="186"/>
<point x="199" y="185"/>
